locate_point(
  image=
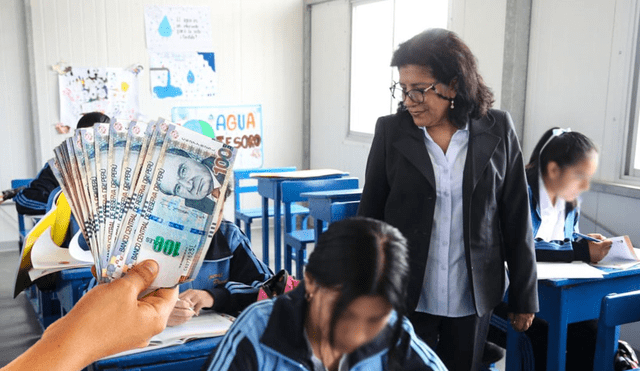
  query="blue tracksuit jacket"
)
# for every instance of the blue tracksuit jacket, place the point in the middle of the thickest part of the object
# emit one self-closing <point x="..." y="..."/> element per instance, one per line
<point x="269" y="336"/>
<point x="230" y="272"/>
<point x="570" y="248"/>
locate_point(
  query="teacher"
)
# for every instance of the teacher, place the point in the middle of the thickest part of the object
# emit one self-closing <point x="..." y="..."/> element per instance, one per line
<point x="447" y="171"/>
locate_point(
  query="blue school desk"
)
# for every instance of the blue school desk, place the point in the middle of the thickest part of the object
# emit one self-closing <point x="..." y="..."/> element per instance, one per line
<point x="320" y="206"/>
<point x="269" y="188"/>
<point x="190" y="356"/>
<point x="565" y="301"/>
<point x="70" y="285"/>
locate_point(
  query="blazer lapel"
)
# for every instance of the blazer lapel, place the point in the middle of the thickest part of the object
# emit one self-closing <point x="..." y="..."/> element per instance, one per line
<point x="482" y="145"/>
<point x="411" y="145"/>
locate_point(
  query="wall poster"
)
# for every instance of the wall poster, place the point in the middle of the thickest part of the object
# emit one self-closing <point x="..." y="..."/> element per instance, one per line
<point x="112" y="91"/>
<point x="238" y="126"/>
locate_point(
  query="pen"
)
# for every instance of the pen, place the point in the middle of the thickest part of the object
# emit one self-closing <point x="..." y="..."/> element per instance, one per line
<point x="190" y="308"/>
<point x="588" y="238"/>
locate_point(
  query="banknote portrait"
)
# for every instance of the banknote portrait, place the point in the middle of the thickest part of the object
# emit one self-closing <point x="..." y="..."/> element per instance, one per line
<point x="190" y="179"/>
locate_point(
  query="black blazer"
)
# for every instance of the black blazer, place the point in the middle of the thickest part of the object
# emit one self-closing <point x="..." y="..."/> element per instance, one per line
<point x="400" y="189"/>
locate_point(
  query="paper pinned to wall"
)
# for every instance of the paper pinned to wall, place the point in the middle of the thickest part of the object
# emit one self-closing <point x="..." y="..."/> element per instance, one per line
<point x="178" y="28"/>
<point x="182" y="75"/>
<point x="112" y="91"/>
<point x="238" y="126"/>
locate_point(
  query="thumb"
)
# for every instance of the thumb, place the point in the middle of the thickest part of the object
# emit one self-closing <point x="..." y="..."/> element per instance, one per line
<point x="142" y="275"/>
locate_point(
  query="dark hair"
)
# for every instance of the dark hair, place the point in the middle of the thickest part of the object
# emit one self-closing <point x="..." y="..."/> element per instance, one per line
<point x="566" y="149"/>
<point x="88" y="119"/>
<point x="359" y="257"/>
<point x="448" y="59"/>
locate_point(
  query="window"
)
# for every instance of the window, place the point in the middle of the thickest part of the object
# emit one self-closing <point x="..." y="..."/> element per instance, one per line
<point x="377" y="28"/>
<point x="632" y="162"/>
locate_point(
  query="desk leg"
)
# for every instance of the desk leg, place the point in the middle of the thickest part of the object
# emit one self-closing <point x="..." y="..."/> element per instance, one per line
<point x="277" y="230"/>
<point x="513" y="361"/>
<point x="318" y="225"/>
<point x="557" y="344"/>
<point x="265" y="230"/>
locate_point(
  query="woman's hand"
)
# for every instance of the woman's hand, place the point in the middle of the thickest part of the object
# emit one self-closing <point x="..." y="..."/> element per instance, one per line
<point x="108" y="319"/>
<point x="598" y="250"/>
<point x="189" y="304"/>
<point x="521" y="321"/>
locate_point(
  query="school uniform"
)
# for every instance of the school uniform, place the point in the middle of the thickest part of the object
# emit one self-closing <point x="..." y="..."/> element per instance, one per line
<point x="269" y="335"/>
<point x="230" y="272"/>
<point x="32" y="200"/>
<point x="555" y="242"/>
<point x="566" y="248"/>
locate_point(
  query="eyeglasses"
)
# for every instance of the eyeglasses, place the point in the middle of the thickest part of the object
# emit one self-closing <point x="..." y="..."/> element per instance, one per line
<point x="416" y="95"/>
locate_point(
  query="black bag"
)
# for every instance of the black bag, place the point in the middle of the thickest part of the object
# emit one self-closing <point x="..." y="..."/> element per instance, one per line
<point x="625" y="358"/>
<point x="280" y="283"/>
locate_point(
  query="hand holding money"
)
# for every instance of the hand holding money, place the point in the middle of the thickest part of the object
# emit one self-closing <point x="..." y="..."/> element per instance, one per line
<point x="108" y="319"/>
<point x="145" y="191"/>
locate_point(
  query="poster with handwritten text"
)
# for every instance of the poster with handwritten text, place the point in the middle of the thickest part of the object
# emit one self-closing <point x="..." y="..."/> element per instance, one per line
<point x="182" y="75"/>
<point x="238" y="126"/>
<point x="112" y="91"/>
<point x="178" y="28"/>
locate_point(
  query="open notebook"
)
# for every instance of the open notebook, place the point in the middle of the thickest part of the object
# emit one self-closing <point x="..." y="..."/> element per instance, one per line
<point x="206" y="325"/>
<point x="622" y="254"/>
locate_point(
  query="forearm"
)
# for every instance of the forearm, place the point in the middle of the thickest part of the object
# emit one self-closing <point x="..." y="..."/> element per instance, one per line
<point x="54" y="351"/>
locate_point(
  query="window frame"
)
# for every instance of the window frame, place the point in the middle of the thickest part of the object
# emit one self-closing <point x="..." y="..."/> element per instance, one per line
<point x="365" y="137"/>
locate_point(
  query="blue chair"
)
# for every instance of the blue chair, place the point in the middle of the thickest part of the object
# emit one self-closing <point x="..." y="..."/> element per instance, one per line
<point x="616" y="309"/>
<point x="295" y="241"/>
<point x="527" y="360"/>
<point x="70" y="286"/>
<point x="15" y="183"/>
<point x="343" y="210"/>
<point x="45" y="305"/>
<point x="241" y="178"/>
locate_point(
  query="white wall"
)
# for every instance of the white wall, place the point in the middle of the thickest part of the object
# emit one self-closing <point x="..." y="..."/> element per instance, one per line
<point x="257" y="46"/>
<point x="580" y="64"/>
<point x="16" y="148"/>
<point x="481" y="25"/>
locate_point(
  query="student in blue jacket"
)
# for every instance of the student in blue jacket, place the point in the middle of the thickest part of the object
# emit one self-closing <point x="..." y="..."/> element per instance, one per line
<point x="559" y="170"/>
<point x="228" y="280"/>
<point x="347" y="314"/>
<point x="32" y="200"/>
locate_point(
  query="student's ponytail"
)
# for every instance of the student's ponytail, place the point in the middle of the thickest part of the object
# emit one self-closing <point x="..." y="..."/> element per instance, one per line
<point x="562" y="146"/>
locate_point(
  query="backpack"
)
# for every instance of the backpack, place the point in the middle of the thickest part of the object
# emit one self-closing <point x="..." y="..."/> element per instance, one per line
<point x="625" y="358"/>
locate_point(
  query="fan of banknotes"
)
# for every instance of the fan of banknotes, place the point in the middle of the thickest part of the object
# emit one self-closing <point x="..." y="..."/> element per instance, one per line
<point x="144" y="190"/>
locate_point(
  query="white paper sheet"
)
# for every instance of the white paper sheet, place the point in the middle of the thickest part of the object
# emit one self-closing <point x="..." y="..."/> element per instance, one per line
<point x="178" y="28"/>
<point x="47" y="255"/>
<point x="621" y="254"/>
<point x="549" y="270"/>
<point x="77" y="252"/>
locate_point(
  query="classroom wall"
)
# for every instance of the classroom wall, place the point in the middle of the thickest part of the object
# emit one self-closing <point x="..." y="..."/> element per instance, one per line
<point x="258" y="52"/>
<point x="580" y="63"/>
<point x="16" y="160"/>
<point x="257" y="46"/>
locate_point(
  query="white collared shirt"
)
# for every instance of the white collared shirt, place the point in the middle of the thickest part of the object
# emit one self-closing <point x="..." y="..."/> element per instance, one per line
<point x="446" y="289"/>
<point x="551" y="216"/>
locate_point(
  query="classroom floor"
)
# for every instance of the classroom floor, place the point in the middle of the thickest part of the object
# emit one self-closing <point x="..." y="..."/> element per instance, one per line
<point x="19" y="328"/>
